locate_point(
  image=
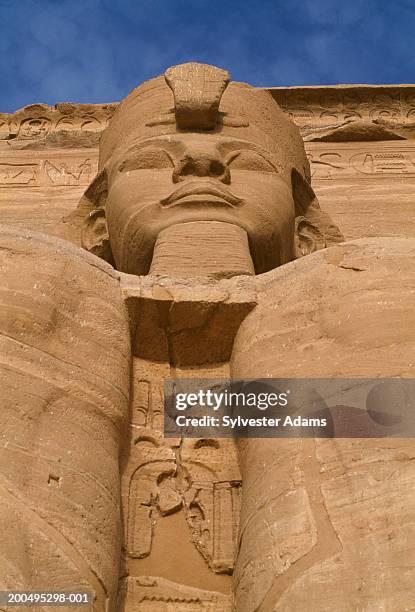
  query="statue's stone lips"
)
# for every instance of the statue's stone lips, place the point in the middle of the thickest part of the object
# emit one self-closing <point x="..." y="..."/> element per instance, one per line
<point x="202" y="193"/>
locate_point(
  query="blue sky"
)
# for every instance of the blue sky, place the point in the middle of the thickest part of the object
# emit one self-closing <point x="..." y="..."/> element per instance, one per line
<point x="98" y="50"/>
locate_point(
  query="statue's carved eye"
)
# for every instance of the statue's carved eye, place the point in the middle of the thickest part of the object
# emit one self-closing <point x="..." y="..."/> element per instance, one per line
<point x="250" y="160"/>
<point x="149" y="158"/>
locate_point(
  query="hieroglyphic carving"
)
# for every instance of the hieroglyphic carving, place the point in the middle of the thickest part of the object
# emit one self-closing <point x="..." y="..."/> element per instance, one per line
<point x="326" y="165"/>
<point x="34" y="128"/>
<point x="162" y="477"/>
<point x="316" y="108"/>
<point x="367" y="161"/>
<point x="311" y="108"/>
<point x="227" y="507"/>
<point x="147" y="393"/>
<point x="38" y="120"/>
<point x="154" y="594"/>
<point x="159" y="482"/>
<point x="22" y="170"/>
<point x="63" y="174"/>
<point x="19" y="174"/>
<point x="389" y="162"/>
<point x="148" y="489"/>
<point x="212" y="502"/>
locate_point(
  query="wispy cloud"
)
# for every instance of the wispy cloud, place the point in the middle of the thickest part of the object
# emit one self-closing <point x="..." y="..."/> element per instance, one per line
<point x="97" y="50"/>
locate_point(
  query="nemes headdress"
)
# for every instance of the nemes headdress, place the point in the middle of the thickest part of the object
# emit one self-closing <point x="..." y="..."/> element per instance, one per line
<point x="200" y="98"/>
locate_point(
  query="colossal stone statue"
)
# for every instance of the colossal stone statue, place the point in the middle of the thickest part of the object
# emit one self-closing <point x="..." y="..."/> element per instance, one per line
<point x="203" y="210"/>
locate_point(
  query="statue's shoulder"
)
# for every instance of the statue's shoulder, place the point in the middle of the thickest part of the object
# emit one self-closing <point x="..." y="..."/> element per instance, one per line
<point x="361" y="264"/>
<point x="348" y="310"/>
<point x="25" y="249"/>
<point x="53" y="291"/>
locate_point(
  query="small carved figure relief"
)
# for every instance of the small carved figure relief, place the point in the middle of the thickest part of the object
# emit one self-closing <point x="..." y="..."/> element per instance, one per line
<point x="49" y="173"/>
<point x="34" y="128"/>
<point x="385" y="163"/>
<point x="326" y="165"/>
<point x="19" y="175"/>
<point x="62" y="174"/>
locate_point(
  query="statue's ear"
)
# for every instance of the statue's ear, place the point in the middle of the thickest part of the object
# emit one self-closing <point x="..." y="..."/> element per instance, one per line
<point x="94" y="232"/>
<point x="94" y="235"/>
<point x="307" y="238"/>
<point x="314" y="230"/>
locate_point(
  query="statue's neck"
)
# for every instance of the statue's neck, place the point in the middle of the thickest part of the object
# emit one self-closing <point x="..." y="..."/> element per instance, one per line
<point x="202" y="248"/>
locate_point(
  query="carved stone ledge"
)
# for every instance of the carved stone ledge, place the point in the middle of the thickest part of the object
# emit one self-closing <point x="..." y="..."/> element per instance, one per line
<point x="317" y="109"/>
<point x="37" y="121"/>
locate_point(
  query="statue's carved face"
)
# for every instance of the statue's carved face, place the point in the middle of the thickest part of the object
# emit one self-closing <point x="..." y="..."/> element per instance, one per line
<point x="230" y="158"/>
<point x="180" y="178"/>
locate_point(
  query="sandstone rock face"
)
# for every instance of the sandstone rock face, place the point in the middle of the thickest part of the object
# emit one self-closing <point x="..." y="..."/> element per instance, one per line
<point x="360" y="143"/>
<point x="205" y="204"/>
<point x="39" y="188"/>
<point x="48" y="156"/>
<point x="325" y="524"/>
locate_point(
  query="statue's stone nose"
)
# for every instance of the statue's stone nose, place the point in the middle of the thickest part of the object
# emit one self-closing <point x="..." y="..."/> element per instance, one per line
<point x="201" y="162"/>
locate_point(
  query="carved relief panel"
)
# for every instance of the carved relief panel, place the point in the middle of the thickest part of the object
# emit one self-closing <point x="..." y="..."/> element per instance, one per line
<point x="47" y="168"/>
<point x="38" y="120"/>
<point x="368" y="160"/>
